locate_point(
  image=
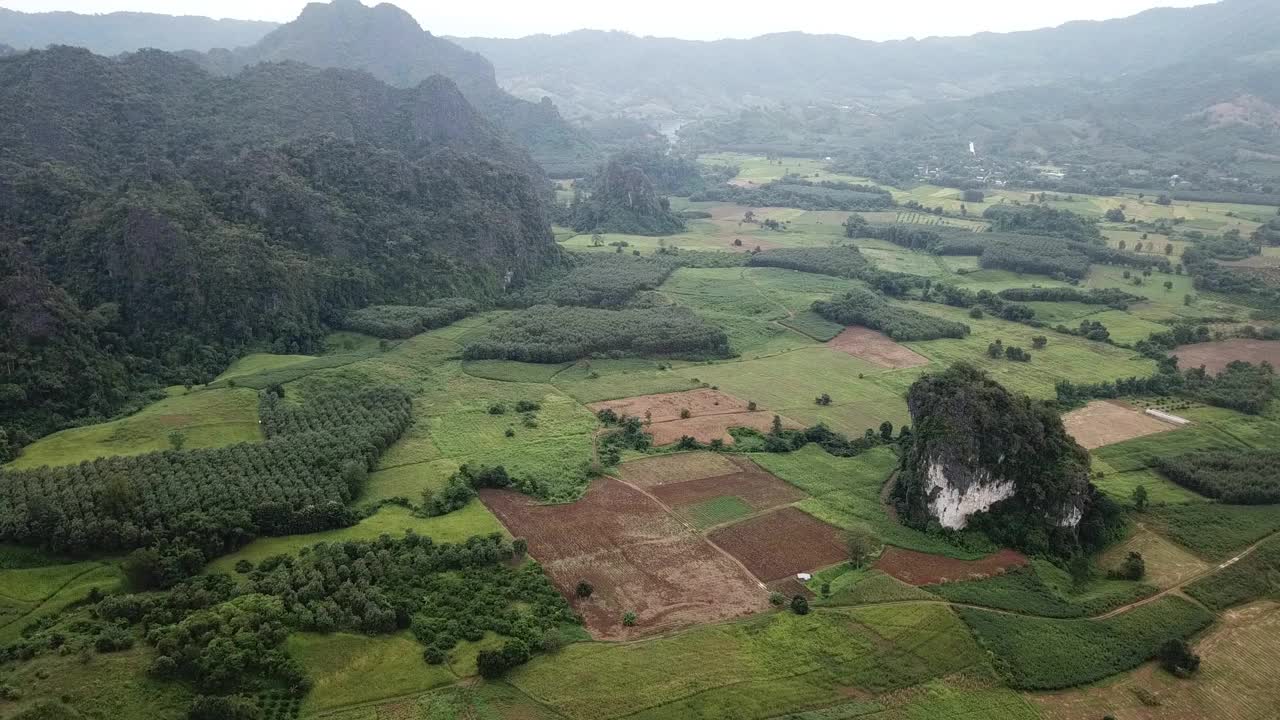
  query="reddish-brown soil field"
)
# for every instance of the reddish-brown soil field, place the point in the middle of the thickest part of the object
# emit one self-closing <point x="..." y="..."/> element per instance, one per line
<point x="636" y="555"/>
<point x="1102" y="422"/>
<point x="782" y="543"/>
<point x="1214" y="356"/>
<point x="755" y="487"/>
<point x="917" y="568"/>
<point x="667" y="406"/>
<point x="706" y="428"/>
<point x="874" y="347"/>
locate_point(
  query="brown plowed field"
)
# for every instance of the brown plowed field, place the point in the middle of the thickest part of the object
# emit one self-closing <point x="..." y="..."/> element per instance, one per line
<point x="1102" y="422"/>
<point x="917" y="568"/>
<point x="878" y="348"/>
<point x="758" y="489"/>
<point x="667" y="406"/>
<point x="636" y="555"/>
<point x="1214" y="356"/>
<point x="782" y="543"/>
<point x="706" y="428"/>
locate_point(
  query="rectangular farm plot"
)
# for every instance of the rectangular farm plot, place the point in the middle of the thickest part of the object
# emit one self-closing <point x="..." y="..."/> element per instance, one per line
<point x="877" y="348"/>
<point x="782" y="543"/>
<point x="661" y="469"/>
<point x="710" y="415"/>
<point x="1102" y="423"/>
<point x="709" y="501"/>
<point x="1215" y="356"/>
<point x="637" y="557"/>
<point x="669" y="406"/>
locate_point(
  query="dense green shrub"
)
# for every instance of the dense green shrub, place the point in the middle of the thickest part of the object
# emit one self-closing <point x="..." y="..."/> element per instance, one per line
<point x="863" y="307"/>
<point x="1239" y="477"/>
<point x="841" y="261"/>
<point x="1215" y="530"/>
<point x="313" y="462"/>
<point x="1041" y="220"/>
<point x="606" y="280"/>
<point x="1047" y="654"/>
<point x="403" y="321"/>
<point x="551" y="334"/>
<point x="796" y="192"/>
<point x="1118" y="299"/>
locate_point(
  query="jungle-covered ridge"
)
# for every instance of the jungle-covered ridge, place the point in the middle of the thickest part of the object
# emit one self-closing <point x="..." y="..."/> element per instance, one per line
<point x="157" y="220"/>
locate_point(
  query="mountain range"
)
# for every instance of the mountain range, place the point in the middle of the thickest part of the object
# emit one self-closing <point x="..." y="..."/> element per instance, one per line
<point x="157" y="220"/>
<point x="114" y="33"/>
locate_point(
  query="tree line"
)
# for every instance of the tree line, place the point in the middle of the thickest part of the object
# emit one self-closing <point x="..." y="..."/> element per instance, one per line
<point x="868" y="309"/>
<point x="395" y="322"/>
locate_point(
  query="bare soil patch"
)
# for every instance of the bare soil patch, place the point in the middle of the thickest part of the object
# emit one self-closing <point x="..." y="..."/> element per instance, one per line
<point x="662" y="469"/>
<point x="753" y="485"/>
<point x="637" y="557"/>
<point x="1103" y="422"/>
<point x="779" y="544"/>
<point x="668" y="406"/>
<point x="877" y="348"/>
<point x="917" y="568"/>
<point x="706" y="428"/>
<point x="1215" y="356"/>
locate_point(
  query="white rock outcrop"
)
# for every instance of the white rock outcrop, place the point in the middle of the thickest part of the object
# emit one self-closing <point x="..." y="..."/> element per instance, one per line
<point x="952" y="505"/>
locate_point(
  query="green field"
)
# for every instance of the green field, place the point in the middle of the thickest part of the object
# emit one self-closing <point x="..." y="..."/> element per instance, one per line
<point x="717" y="511"/>
<point x="348" y="669"/>
<point x="758" y="668"/>
<point x="1043" y="654"/>
<point x="206" y="418"/>
<point x="1044" y="590"/>
<point x="474" y="519"/>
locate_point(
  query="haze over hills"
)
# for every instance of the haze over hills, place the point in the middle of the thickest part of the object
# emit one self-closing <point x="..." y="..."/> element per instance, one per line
<point x="118" y="32"/>
<point x="388" y="43"/>
<point x="663" y="77"/>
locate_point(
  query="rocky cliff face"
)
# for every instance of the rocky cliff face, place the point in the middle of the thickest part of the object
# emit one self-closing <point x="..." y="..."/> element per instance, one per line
<point x="980" y="452"/>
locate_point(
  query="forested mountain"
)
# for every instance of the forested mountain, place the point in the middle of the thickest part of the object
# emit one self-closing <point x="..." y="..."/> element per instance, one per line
<point x="388" y="43"/>
<point x="156" y="220"/>
<point x="118" y="32"/>
<point x="607" y="72"/>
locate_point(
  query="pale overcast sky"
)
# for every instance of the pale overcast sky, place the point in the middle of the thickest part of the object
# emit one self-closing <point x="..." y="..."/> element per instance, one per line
<point x="694" y="19"/>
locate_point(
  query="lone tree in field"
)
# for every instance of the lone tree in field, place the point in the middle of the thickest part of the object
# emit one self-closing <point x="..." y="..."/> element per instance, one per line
<point x="861" y="547"/>
<point x="1176" y="657"/>
<point x="799" y="605"/>
<point x="776" y="426"/>
<point x="177" y="440"/>
<point x="1168" y="285"/>
<point x="1134" y="567"/>
<point x="584" y="589"/>
<point x="1168" y="249"/>
<point x="823" y="399"/>
<point x="1140" y="498"/>
<point x="1038" y="342"/>
<point x="886" y="431"/>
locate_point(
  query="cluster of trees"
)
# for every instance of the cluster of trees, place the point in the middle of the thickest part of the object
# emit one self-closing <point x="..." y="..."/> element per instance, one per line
<point x="461" y="487"/>
<point x="981" y="301"/>
<point x="1241" y="386"/>
<point x="841" y="261"/>
<point x="1230" y="245"/>
<point x="606" y="280"/>
<point x="977" y="431"/>
<point x="1238" y="477"/>
<point x="227" y="638"/>
<point x="314" y="461"/>
<point x="551" y="334"/>
<point x="780" y="439"/>
<point x="403" y="321"/>
<point x="998" y="349"/>
<point x="1042" y="220"/>
<point x="629" y="435"/>
<point x="796" y="192"/>
<point x="869" y="309"/>
<point x="1110" y="297"/>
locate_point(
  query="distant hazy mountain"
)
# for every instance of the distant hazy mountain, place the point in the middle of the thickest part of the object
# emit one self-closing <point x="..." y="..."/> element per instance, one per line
<point x="609" y="72"/>
<point x="119" y="32"/>
<point x="388" y="43"/>
<point x="6" y="50"/>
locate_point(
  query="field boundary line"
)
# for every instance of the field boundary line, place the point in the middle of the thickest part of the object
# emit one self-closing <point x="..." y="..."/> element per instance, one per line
<point x="693" y="529"/>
